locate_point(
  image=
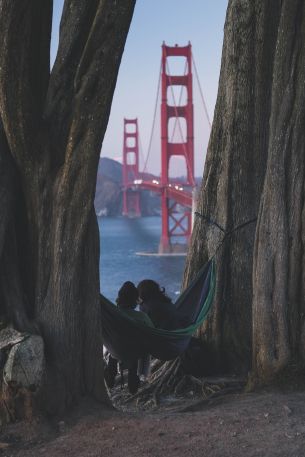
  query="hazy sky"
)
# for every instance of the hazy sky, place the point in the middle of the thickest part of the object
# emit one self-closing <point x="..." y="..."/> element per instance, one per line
<point x="173" y="21"/>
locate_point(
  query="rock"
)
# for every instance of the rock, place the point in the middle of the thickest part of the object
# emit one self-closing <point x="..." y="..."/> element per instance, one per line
<point x="25" y="363"/>
<point x="9" y="337"/>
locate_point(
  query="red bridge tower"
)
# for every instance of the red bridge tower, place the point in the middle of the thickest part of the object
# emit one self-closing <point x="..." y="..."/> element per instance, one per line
<point x="131" y="196"/>
<point x="176" y="220"/>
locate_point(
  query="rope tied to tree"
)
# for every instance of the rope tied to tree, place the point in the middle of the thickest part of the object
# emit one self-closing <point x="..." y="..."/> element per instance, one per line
<point x="229" y="232"/>
<point x="210" y="221"/>
<point x="226" y="233"/>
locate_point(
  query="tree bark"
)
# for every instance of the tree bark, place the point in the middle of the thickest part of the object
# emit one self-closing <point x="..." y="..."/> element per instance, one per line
<point x="279" y="262"/>
<point x="255" y="170"/>
<point x="54" y="125"/>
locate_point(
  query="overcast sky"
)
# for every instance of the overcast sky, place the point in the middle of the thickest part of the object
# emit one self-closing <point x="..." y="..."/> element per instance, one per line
<point x="173" y="21"/>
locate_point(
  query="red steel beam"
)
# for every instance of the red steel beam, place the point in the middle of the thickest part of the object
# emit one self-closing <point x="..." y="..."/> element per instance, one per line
<point x="185" y="148"/>
<point x="131" y="199"/>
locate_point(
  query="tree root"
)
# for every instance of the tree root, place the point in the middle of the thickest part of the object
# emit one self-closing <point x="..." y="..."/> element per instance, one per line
<point x="155" y="386"/>
<point x="169" y="378"/>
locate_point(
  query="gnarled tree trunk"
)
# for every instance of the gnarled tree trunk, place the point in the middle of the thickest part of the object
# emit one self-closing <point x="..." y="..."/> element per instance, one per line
<point x="279" y="258"/>
<point x="255" y="170"/>
<point x="53" y="126"/>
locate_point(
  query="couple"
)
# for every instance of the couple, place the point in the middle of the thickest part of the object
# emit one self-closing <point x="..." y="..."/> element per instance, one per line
<point x="155" y="307"/>
<point x="155" y="310"/>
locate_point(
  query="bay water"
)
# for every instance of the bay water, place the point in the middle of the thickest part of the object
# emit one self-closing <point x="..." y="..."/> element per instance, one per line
<point x="120" y="240"/>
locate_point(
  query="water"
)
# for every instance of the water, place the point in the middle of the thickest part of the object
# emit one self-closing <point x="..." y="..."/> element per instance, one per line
<point x="120" y="239"/>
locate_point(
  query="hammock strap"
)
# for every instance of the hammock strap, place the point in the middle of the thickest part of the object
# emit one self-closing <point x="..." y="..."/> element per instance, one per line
<point x="226" y="233"/>
<point x="210" y="221"/>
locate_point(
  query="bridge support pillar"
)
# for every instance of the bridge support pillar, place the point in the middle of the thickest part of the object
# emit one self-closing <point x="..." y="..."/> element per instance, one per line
<point x="176" y="219"/>
<point x="131" y="196"/>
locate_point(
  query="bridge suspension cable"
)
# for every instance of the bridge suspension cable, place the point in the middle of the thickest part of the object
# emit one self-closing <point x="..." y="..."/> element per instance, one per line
<point x="154" y="121"/>
<point x="201" y="93"/>
<point x="141" y="148"/>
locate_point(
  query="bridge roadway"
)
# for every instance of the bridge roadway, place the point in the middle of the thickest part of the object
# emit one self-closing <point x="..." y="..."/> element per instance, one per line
<point x="173" y="191"/>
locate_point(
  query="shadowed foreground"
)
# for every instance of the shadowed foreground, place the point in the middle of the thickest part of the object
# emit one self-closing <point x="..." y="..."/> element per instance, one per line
<point x="259" y="424"/>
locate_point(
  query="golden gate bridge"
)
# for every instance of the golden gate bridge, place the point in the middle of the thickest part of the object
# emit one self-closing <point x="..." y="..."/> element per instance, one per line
<point x="177" y="195"/>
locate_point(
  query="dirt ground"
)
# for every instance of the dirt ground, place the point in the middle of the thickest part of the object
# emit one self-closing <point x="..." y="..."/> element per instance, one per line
<point x="265" y="423"/>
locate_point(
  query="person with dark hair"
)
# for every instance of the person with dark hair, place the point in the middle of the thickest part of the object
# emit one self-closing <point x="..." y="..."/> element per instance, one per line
<point x="158" y="306"/>
<point x="127" y="300"/>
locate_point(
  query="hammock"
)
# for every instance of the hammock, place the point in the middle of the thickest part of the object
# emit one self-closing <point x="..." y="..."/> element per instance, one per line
<point x="127" y="339"/>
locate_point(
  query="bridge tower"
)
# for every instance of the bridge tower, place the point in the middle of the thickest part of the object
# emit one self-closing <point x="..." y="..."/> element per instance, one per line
<point x="131" y="196"/>
<point x="176" y="221"/>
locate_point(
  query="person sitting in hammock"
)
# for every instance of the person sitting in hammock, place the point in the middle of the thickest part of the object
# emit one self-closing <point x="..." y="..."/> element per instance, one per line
<point x="158" y="306"/>
<point x="127" y="301"/>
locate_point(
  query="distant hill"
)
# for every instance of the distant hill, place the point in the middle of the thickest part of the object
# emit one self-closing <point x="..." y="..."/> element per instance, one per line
<point x="108" y="196"/>
<point x="110" y="168"/>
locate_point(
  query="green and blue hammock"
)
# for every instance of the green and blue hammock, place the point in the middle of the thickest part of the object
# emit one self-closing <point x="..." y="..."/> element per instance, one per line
<point x="127" y="339"/>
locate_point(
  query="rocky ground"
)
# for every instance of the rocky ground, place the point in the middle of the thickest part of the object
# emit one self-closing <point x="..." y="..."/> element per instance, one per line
<point x="266" y="423"/>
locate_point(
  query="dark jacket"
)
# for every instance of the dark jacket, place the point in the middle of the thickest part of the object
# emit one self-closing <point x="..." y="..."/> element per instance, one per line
<point x="162" y="313"/>
<point x="138" y="316"/>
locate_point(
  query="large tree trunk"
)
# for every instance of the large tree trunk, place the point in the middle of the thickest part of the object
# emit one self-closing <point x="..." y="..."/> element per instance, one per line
<point x="279" y="258"/>
<point x="255" y="170"/>
<point x="53" y="126"/>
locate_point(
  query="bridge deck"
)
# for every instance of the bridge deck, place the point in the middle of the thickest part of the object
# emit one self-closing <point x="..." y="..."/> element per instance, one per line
<point x="173" y="191"/>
